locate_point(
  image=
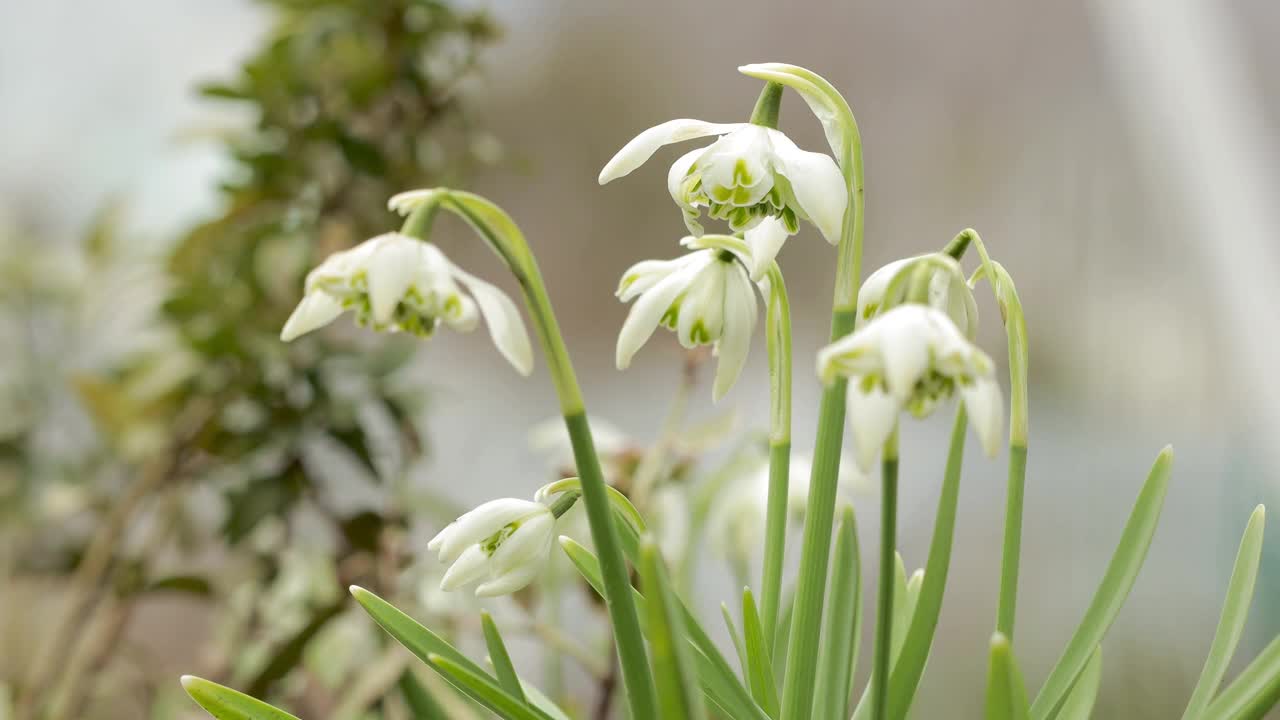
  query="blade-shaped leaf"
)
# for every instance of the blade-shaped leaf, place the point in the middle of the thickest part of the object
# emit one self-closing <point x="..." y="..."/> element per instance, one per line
<point x="486" y="690"/>
<point x="1084" y="694"/>
<point x="736" y="638"/>
<point x="1112" y="591"/>
<point x="422" y="704"/>
<point x="843" y="624"/>
<point x="678" y="695"/>
<point x="764" y="688"/>
<point x="1006" y="695"/>
<point x="924" y="621"/>
<point x="501" y="659"/>
<point x="1235" y="611"/>
<point x="1254" y="692"/>
<point x="224" y="703"/>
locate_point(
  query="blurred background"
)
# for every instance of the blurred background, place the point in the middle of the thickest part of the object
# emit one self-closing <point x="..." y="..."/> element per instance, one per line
<point x="169" y="169"/>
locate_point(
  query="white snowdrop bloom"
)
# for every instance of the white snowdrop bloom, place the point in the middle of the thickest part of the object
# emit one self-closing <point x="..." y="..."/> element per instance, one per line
<point x="948" y="290"/>
<point x="706" y="297"/>
<point x="748" y="174"/>
<point x="398" y="283"/>
<point x="912" y="357"/>
<point x="502" y="545"/>
<point x="739" y="518"/>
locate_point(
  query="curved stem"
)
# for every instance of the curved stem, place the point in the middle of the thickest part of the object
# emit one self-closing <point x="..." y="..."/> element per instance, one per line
<point x="778" y="332"/>
<point x="888" y="549"/>
<point x="1015" y="324"/>
<point x="502" y="234"/>
<point x="801" y="673"/>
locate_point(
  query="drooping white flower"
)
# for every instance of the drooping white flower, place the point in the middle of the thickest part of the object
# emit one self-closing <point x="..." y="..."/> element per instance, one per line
<point x="948" y="291"/>
<point x="737" y="522"/>
<point x="502" y="544"/>
<point x="912" y="357"/>
<point x="616" y="450"/>
<point x="706" y="297"/>
<point x="398" y="283"/>
<point x="748" y="174"/>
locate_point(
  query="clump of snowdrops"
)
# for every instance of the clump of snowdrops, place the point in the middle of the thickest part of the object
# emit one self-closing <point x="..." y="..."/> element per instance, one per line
<point x="901" y="346"/>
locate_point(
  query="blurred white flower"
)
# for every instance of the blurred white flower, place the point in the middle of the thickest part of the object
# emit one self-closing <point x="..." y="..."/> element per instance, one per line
<point x="737" y="523"/>
<point x="912" y="357"/>
<point x="948" y="290"/>
<point x="750" y="173"/>
<point x="706" y="297"/>
<point x="502" y="544"/>
<point x="550" y="439"/>
<point x="398" y="283"/>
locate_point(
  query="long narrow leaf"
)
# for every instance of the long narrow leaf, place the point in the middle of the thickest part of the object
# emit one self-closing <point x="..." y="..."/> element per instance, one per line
<point x="924" y="621"/>
<point x="1006" y="695"/>
<point x="1254" y="692"/>
<point x="905" y="593"/>
<point x="224" y="703"/>
<point x="1112" y="592"/>
<point x="1235" y="611"/>
<point x="486" y="689"/>
<point x="735" y="638"/>
<point x="678" y="694"/>
<point x="501" y="659"/>
<point x="1084" y="694"/>
<point x="422" y="704"/>
<point x="763" y="686"/>
<point x="840" y="630"/>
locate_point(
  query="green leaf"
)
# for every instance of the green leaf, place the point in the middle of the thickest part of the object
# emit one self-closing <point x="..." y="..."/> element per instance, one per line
<point x="843" y="625"/>
<point x="189" y="584"/>
<point x="909" y="667"/>
<point x="822" y="98"/>
<point x="485" y="689"/>
<point x="1112" y="591"/>
<point x="1254" y="692"/>
<point x="422" y="704"/>
<point x="714" y="673"/>
<point x="736" y="638"/>
<point x="1006" y="695"/>
<point x="1080" y="701"/>
<point x="764" y="688"/>
<point x="678" y="696"/>
<point x="1235" y="611"/>
<point x="224" y="703"/>
<point x="500" y="658"/>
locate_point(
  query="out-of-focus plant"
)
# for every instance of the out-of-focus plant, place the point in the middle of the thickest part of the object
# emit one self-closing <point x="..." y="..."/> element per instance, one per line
<point x="259" y="476"/>
<point x="901" y="346"/>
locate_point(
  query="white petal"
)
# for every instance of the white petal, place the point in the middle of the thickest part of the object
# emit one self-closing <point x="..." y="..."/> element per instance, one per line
<point x="470" y="566"/>
<point x="817" y="183"/>
<point x="652" y="305"/>
<point x="434" y="544"/>
<point x="482" y="522"/>
<point x="643" y="146"/>
<point x="503" y="318"/>
<point x="871" y="296"/>
<point x="644" y="275"/>
<point x="739" y="324"/>
<point x="985" y="404"/>
<point x="703" y="306"/>
<point x="676" y="175"/>
<point x="390" y="271"/>
<point x="872" y="416"/>
<point x="317" y="309"/>
<point x="523" y="545"/>
<point x="765" y="240"/>
<point x="508" y="583"/>
<point x="406" y="202"/>
<point x="904" y="345"/>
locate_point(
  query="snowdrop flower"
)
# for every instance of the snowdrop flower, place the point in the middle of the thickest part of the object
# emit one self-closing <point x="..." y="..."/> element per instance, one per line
<point x="502" y="544"/>
<point x="738" y="521"/>
<point x="618" y="453"/>
<point x="750" y="173"/>
<point x="706" y="297"/>
<point x="912" y="357"/>
<point x="398" y="283"/>
<point x="948" y="290"/>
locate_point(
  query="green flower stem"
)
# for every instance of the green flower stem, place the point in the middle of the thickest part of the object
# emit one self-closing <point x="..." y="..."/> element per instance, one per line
<point x="502" y="234"/>
<point x="768" y="105"/>
<point x="888" y="563"/>
<point x="1015" y="324"/>
<point x="778" y="333"/>
<point x="806" y="624"/>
